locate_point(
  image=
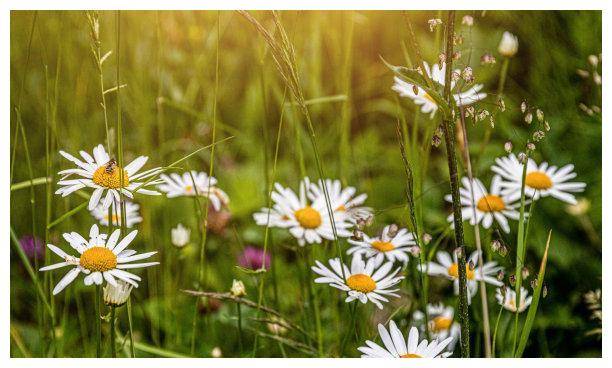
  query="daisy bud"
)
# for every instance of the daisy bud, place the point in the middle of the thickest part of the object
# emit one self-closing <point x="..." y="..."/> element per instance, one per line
<point x="583" y="73"/>
<point x="277" y="326"/>
<point x="433" y="23"/>
<point x="436" y="141"/>
<point x="544" y="290"/>
<point x="238" y="290"/>
<point x="581" y="208"/>
<point x="469" y="111"/>
<point x="415" y="89"/>
<point x="508" y="147"/>
<point x="596" y="109"/>
<point x="495" y="245"/>
<point x="523" y="107"/>
<point x="419" y="70"/>
<point x="216" y="352"/>
<point x="503" y="251"/>
<point x="357" y="235"/>
<point x="531" y="146"/>
<point x="467" y="74"/>
<point x="522" y="157"/>
<point x="593" y="60"/>
<point x="455" y="76"/>
<point x="441" y="60"/>
<point x="180" y="236"/>
<point x="528" y="118"/>
<point x="467" y="20"/>
<point x="534" y="283"/>
<point x="512" y="280"/>
<point x="369" y="220"/>
<point x="546" y="126"/>
<point x="508" y="46"/>
<point x="487" y="59"/>
<point x="538" y="135"/>
<point x="540" y="115"/>
<point x="426" y="238"/>
<point x="597" y="78"/>
<point x="456" y="55"/>
<point x="457" y="40"/>
<point x="116" y="296"/>
<point x="525" y="273"/>
<point x="459" y="252"/>
<point x="491" y="121"/>
<point x="500" y="275"/>
<point x="501" y="104"/>
<point x="393" y="229"/>
<point x="585" y="108"/>
<point x="415" y="251"/>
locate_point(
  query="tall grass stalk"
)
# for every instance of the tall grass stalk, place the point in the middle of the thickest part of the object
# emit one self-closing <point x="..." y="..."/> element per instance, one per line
<point x="449" y="136"/>
<point x="482" y="286"/>
<point x="98" y="322"/>
<point x="210" y="174"/>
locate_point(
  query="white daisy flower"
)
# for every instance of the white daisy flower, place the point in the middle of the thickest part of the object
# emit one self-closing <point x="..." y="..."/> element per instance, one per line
<point x="489" y="206"/>
<point x="175" y="185"/>
<point x="441" y="323"/>
<point x="99" y="258"/>
<point x="306" y="217"/>
<point x="393" y="247"/>
<point x="364" y="281"/>
<point x="427" y="103"/>
<point x="132" y="217"/>
<point x="541" y="181"/>
<point x="397" y="347"/>
<point x="507" y="299"/>
<point x="342" y="200"/>
<point x="448" y="267"/>
<point x="102" y="173"/>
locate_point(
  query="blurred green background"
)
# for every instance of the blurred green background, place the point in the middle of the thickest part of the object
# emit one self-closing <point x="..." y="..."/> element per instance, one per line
<point x="167" y="60"/>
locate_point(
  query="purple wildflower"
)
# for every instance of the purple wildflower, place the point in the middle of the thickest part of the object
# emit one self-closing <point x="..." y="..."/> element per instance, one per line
<point x="33" y="247"/>
<point x="253" y="258"/>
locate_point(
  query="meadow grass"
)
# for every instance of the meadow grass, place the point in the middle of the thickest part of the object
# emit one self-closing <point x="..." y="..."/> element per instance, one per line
<point x="258" y="98"/>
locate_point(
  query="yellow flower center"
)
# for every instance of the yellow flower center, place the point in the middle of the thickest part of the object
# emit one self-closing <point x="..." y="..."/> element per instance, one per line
<point x="114" y="219"/>
<point x="491" y="203"/>
<point x="440" y="323"/>
<point x="341" y="208"/>
<point x="453" y="271"/>
<point x="110" y="177"/>
<point x="382" y="245"/>
<point x="410" y="355"/>
<point x="98" y="259"/>
<point x="189" y="188"/>
<point x="308" y="217"/>
<point x="538" y="180"/>
<point x="361" y="282"/>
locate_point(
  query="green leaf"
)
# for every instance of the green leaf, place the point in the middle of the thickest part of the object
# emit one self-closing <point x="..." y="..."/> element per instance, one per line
<point x="534" y="302"/>
<point x="413" y="76"/>
<point x="251" y="272"/>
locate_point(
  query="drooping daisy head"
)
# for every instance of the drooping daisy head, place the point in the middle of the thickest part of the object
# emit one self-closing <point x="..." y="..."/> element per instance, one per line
<point x="103" y="174"/>
<point x="117" y="295"/>
<point x="343" y="200"/>
<point x="180" y="236"/>
<point x="486" y="206"/>
<point x="507" y="299"/>
<point x="448" y="267"/>
<point x="395" y="346"/>
<point x="365" y="281"/>
<point x="427" y="103"/>
<point x="101" y="258"/>
<point x="441" y="323"/>
<point x="541" y="181"/>
<point x="391" y="245"/>
<point x="132" y="217"/>
<point x="192" y="183"/>
<point x="307" y="218"/>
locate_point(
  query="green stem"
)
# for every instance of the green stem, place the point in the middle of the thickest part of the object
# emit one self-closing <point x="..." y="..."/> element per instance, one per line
<point x="129" y="312"/>
<point x="98" y="322"/>
<point x="239" y="327"/>
<point x="449" y="136"/>
<point x="112" y="332"/>
<point x="501" y="308"/>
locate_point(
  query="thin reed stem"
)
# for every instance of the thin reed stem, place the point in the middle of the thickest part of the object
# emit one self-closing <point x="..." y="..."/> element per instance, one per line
<point x="112" y="332"/>
<point x="98" y="322"/>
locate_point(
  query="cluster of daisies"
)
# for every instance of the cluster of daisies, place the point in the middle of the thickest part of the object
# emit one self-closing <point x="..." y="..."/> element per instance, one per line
<point x="104" y="257"/>
<point x="374" y="270"/>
